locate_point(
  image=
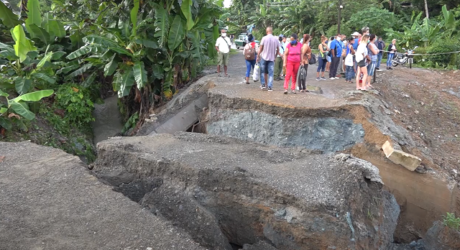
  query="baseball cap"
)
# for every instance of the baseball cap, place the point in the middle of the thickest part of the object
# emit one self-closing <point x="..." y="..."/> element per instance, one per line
<point x="281" y="35"/>
<point x="355" y="34"/>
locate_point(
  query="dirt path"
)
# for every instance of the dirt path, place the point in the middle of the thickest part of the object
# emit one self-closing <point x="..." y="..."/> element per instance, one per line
<point x="330" y="89"/>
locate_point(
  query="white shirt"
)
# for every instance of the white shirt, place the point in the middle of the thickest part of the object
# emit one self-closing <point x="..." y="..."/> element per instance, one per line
<point x="361" y="52"/>
<point x="223" y="46"/>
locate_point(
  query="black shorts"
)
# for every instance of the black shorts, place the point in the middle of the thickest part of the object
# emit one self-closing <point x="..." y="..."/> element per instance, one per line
<point x="362" y="63"/>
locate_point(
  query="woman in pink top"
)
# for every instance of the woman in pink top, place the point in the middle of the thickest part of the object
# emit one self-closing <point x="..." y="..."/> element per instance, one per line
<point x="292" y="62"/>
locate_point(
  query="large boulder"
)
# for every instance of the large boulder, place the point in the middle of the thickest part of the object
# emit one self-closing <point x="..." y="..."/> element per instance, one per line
<point x="221" y="190"/>
<point x="49" y="200"/>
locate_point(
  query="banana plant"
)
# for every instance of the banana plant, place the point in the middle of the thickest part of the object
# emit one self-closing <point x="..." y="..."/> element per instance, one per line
<point x="18" y="109"/>
<point x="23" y="66"/>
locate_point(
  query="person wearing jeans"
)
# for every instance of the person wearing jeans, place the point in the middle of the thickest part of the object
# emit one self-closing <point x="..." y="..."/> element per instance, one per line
<point x="391" y="53"/>
<point x="250" y="63"/>
<point x="323" y="49"/>
<point x="373" y="54"/>
<point x="269" y="48"/>
<point x="292" y="60"/>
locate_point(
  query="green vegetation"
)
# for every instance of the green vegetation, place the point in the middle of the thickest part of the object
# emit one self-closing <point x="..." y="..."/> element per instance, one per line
<point x="451" y="221"/>
<point x="144" y="50"/>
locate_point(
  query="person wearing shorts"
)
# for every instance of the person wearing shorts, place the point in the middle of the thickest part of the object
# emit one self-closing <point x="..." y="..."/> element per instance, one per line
<point x="361" y="57"/>
<point x="223" y="45"/>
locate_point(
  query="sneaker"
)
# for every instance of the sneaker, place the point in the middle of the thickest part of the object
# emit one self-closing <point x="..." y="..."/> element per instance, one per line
<point x="270" y="89"/>
<point x="337" y="77"/>
<point x="285" y="91"/>
<point x="332" y="78"/>
<point x="262" y="87"/>
<point x="293" y="91"/>
<point x="322" y="78"/>
<point x="317" y="79"/>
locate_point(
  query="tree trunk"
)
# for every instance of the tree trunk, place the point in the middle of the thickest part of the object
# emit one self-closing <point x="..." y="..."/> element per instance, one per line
<point x="426" y="10"/>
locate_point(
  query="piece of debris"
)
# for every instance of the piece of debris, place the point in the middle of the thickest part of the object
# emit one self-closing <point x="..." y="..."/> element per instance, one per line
<point x="399" y="157"/>
<point x="416" y="112"/>
<point x="2" y="158"/>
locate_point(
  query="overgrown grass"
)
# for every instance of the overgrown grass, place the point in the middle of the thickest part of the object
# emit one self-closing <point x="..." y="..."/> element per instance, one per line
<point x="451" y="221"/>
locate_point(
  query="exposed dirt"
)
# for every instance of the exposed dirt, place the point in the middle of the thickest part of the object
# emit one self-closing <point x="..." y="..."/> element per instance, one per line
<point x="427" y="103"/>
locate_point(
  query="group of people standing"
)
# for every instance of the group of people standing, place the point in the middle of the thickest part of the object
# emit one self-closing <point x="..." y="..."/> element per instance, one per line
<point x="358" y="57"/>
<point x="274" y="55"/>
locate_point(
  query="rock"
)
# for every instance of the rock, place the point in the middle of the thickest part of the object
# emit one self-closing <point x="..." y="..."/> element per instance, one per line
<point x="399" y="157"/>
<point x="50" y="201"/>
<point x="261" y="245"/>
<point x="221" y="190"/>
<point x="441" y="237"/>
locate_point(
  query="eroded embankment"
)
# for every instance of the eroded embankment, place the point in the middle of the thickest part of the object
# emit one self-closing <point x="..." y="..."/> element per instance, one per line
<point x="224" y="191"/>
<point x="359" y="126"/>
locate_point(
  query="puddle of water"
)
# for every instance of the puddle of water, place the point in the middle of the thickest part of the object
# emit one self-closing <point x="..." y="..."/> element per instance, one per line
<point x="424" y="198"/>
<point x="108" y="120"/>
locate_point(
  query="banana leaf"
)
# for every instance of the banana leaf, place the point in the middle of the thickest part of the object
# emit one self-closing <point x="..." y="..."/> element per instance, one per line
<point x="161" y="24"/>
<point x="140" y="74"/>
<point x="127" y="81"/>
<point x="176" y="33"/>
<point x="186" y="10"/>
<point x="22" y="45"/>
<point x="8" y="18"/>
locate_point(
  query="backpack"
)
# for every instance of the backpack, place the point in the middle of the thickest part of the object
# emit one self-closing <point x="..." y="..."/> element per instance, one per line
<point x="250" y="53"/>
<point x="312" y="59"/>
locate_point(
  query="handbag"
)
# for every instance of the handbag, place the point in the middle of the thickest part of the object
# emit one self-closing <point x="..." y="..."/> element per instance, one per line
<point x="312" y="59"/>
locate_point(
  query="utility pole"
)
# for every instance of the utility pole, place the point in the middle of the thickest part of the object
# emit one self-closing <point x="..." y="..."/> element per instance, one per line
<point x="340" y="16"/>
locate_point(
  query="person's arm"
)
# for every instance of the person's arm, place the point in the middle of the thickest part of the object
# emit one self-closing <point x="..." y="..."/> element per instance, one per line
<point x="352" y="50"/>
<point x="261" y="48"/>
<point x="217" y="45"/>
<point x="374" y="50"/>
<point x="302" y="54"/>
<point x="320" y="47"/>
<point x="286" y="52"/>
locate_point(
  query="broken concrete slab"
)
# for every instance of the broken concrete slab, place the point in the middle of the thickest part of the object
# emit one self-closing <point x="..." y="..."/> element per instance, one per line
<point x="409" y="161"/>
<point x="182" y="111"/>
<point x="221" y="190"/>
<point x="49" y="200"/>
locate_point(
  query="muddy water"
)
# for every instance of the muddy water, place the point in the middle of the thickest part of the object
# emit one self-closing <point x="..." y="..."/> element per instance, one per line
<point x="108" y="120"/>
<point x="424" y="198"/>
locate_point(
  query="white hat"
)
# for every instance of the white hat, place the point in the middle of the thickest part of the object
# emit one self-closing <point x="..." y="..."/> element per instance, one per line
<point x="355" y="34"/>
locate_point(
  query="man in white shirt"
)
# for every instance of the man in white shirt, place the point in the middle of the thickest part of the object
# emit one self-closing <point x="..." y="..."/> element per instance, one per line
<point x="223" y="46"/>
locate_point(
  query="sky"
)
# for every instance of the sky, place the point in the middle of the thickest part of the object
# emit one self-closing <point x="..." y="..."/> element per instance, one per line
<point x="227" y="3"/>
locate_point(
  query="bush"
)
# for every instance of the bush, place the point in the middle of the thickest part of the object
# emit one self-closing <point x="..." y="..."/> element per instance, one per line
<point x="77" y="103"/>
<point x="443" y="46"/>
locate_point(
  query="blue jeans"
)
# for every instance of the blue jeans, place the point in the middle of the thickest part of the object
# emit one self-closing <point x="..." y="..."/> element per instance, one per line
<point x="350" y="73"/>
<point x="371" y="68"/>
<point x="264" y="65"/>
<point x="379" y="59"/>
<point x="390" y="57"/>
<point x="249" y="65"/>
<point x="321" y="65"/>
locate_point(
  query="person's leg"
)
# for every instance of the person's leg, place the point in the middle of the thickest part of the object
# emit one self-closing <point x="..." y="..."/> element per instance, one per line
<point x="295" y="70"/>
<point x="278" y="66"/>
<point x="219" y="61"/>
<point x="371" y="72"/>
<point x="358" y="72"/>
<point x="289" y="69"/>
<point x="320" y="64"/>
<point x="271" y="69"/>
<point x="226" y="56"/>
<point x="334" y="66"/>
<point x="379" y="60"/>
<point x="323" y="68"/>
<point x="262" y="72"/>
<point x="389" y="58"/>
<point x="306" y="74"/>
<point x="364" y="71"/>
<point x="248" y="70"/>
